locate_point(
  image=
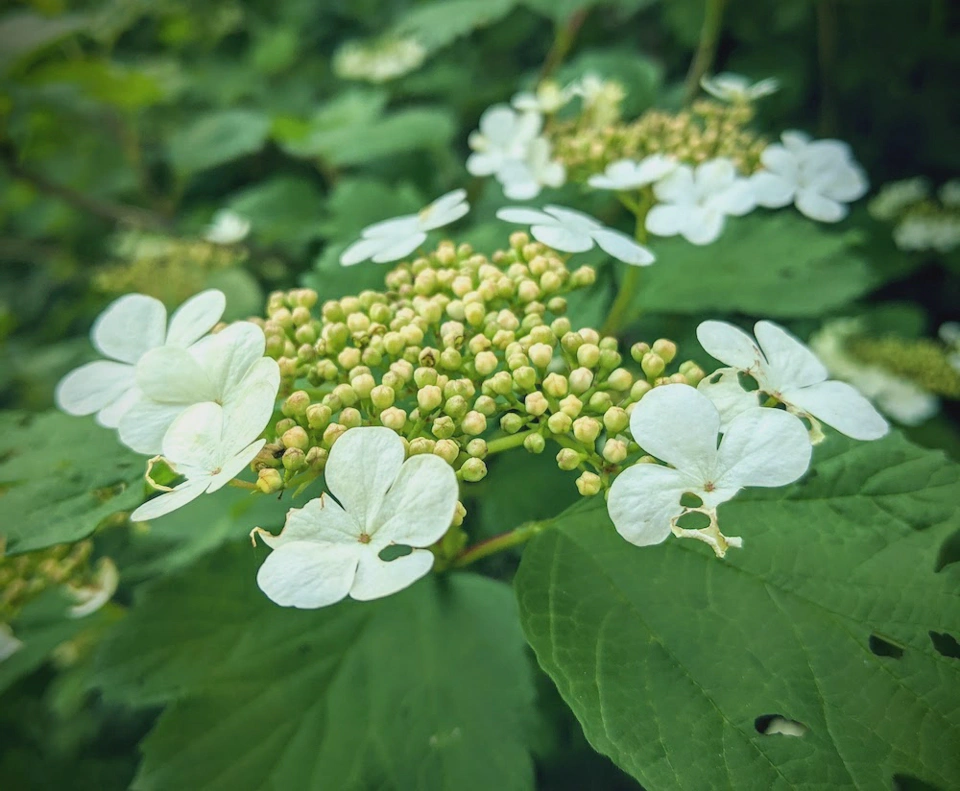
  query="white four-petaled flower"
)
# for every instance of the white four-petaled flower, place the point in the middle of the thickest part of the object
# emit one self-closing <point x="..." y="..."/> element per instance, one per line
<point x="575" y="232"/>
<point x="394" y="239"/>
<point x="695" y="203"/>
<point x="677" y="424"/>
<point x="127" y="330"/>
<point x="735" y="88"/>
<point x="523" y="179"/>
<point x="819" y="176"/>
<point x="331" y="548"/>
<point x="227" y="227"/>
<point x="629" y="174"/>
<point x="788" y="371"/>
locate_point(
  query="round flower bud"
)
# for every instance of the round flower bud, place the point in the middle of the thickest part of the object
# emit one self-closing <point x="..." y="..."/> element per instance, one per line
<point x="666" y="349"/>
<point x="283" y="425"/>
<point x="558" y="306"/>
<point x="639" y="389"/>
<point x="525" y="377"/>
<point x="296" y="404"/>
<point x="425" y="376"/>
<point x="332" y="433"/>
<point x="306" y="334"/>
<point x="443" y="427"/>
<point x="429" y="357"/>
<point x="474" y="313"/>
<point x="551" y="282"/>
<point x="349" y="358"/>
<point x="421" y="445"/>
<point x="458" y="516"/>
<point x="501" y="383"/>
<point x="456" y="407"/>
<point x="269" y="480"/>
<point x="586" y="429"/>
<point x="609" y="358"/>
<point x="317" y="458"/>
<point x="346" y="394"/>
<point x="363" y="385"/>
<point x="350" y="417"/>
<point x="403" y="369"/>
<point x="473" y="470"/>
<point x="535" y="404"/>
<point x="588" y="484"/>
<point x="589" y="335"/>
<point x="511" y="422"/>
<point x="473" y="423"/>
<point x="534" y="443"/>
<point x="318" y="416"/>
<point x="571" y="342"/>
<point x="581" y="380"/>
<point x="477" y="447"/>
<point x="571" y="406"/>
<point x="583" y="276"/>
<point x="638" y="350"/>
<point x="615" y="420"/>
<point x="267" y="456"/>
<point x="429" y="398"/>
<point x="295" y="437"/>
<point x="451" y="359"/>
<point x="485" y="363"/>
<point x="555" y="385"/>
<point x="652" y="364"/>
<point x="615" y="450"/>
<point x="600" y="402"/>
<point x="692" y="373"/>
<point x="393" y="380"/>
<point x="559" y="423"/>
<point x="382" y="396"/>
<point x="294" y="459"/>
<point x="540" y="355"/>
<point x="620" y="379"/>
<point x="393" y="343"/>
<point x="516" y="360"/>
<point x="393" y="417"/>
<point x="485" y="405"/>
<point x="447" y="449"/>
<point x="479" y="343"/>
<point x="588" y="355"/>
<point x="568" y="459"/>
<point x="412" y="335"/>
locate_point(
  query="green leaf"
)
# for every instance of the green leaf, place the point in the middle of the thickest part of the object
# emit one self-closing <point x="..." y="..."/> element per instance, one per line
<point x="427" y="689"/>
<point x="777" y="265"/>
<point x="59" y="477"/>
<point x="105" y="81"/>
<point x="440" y="23"/>
<point x="217" y="138"/>
<point x="828" y="616"/>
<point x="281" y="210"/>
<point x="23" y="32"/>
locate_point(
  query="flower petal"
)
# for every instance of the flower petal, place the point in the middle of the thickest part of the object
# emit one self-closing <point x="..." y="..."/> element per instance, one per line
<point x="186" y="492"/>
<point x="666" y="219"/>
<point x="622" y="247"/>
<point x="377" y="578"/>
<point x="228" y="356"/>
<point x="111" y="415"/>
<point x="524" y="216"/>
<point x="249" y="406"/>
<point x="308" y="575"/>
<point x="703" y="226"/>
<point x="772" y="191"/>
<point x="420" y="505"/>
<point x="362" y="250"/>
<point x="363" y="464"/>
<point x="789" y="360"/>
<point x="676" y="187"/>
<point x="497" y="123"/>
<point x="679" y="425"/>
<point x="234" y="465"/>
<point x="321" y="520"/>
<point x="763" y="447"/>
<point x="643" y="500"/>
<point x="129" y="327"/>
<point x="399" y="248"/>
<point x="194" y="438"/>
<point x="94" y="386"/>
<point x="142" y="428"/>
<point x="570" y="218"/>
<point x="196" y="317"/>
<point x="730" y="345"/>
<point x="839" y="405"/>
<point x="818" y="207"/>
<point x="727" y="395"/>
<point x="715" y="175"/>
<point x="171" y="375"/>
<point x="444" y="210"/>
<point x="561" y="238"/>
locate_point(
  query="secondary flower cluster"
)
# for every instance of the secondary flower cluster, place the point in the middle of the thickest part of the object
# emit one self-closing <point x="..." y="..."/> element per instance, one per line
<point x="378" y="60"/>
<point x="921" y="221"/>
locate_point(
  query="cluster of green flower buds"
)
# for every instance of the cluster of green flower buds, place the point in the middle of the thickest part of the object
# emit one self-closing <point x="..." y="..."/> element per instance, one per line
<point x="462" y="356"/>
<point x="707" y="130"/>
<point x="24" y="577"/>
<point x="920" y="360"/>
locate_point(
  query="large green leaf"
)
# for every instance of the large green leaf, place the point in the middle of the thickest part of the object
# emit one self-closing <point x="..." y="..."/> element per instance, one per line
<point x="282" y="210"/>
<point x="59" y="477"/>
<point x="778" y="265"/>
<point x="217" y="138"/>
<point x="24" y="32"/>
<point x="437" y="24"/>
<point x="428" y="689"/>
<point x="834" y="614"/>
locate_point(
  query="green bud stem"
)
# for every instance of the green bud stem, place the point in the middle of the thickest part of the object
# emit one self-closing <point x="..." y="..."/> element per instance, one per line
<point x="243" y="485"/>
<point x="512" y="538"/>
<point x="631" y="280"/>
<point x="506" y="443"/>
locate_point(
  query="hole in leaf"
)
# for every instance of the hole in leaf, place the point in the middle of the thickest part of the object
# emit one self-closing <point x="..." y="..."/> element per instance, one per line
<point x="694" y="521"/>
<point x="690" y="500"/>
<point x="394" y="551"/>
<point x="908" y="783"/>
<point x="778" y="725"/>
<point x="747" y="382"/>
<point x="945" y="644"/>
<point x="882" y="647"/>
<point x="949" y="552"/>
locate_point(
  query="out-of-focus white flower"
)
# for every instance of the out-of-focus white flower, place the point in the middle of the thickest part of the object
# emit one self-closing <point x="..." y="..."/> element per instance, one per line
<point x="601" y="98"/>
<point x="227" y="368"/>
<point x="786" y="370"/>
<point x="675" y="423"/>
<point x="523" y="179"/>
<point x="330" y="548"/>
<point x="896" y="196"/>
<point x="629" y="174"/>
<point x="391" y="240"/>
<point x="899" y="398"/>
<point x="695" y="203"/>
<point x="504" y="136"/>
<point x="129" y="328"/>
<point x="928" y="230"/>
<point x="90" y="598"/>
<point x="949" y="194"/>
<point x="209" y="446"/>
<point x="548" y="98"/>
<point x="9" y="644"/>
<point x="737" y="89"/>
<point x="378" y="60"/>
<point x="575" y="232"/>
<point x="819" y="176"/>
<point x="227" y="227"/>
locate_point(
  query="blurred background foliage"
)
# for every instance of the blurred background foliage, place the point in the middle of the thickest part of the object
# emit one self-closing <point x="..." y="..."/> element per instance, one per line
<point x="126" y="125"/>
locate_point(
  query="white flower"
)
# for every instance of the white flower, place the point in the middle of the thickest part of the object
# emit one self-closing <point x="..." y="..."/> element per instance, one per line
<point x="736" y="89"/>
<point x="227" y="227"/>
<point x="694" y="203"/>
<point x="504" y="136"/>
<point x="9" y="644"/>
<point x="209" y="446"/>
<point x="788" y="371"/>
<point x="675" y="423"/>
<point x="896" y="196"/>
<point x="394" y="239"/>
<point x="547" y="99"/>
<point x="819" y="176"/>
<point x="601" y="98"/>
<point x="950" y="194"/>
<point x="523" y="179"/>
<point x="925" y="230"/>
<point x="628" y="174"/>
<point x="574" y="232"/>
<point x="901" y="399"/>
<point x="129" y="328"/>
<point x="227" y="368"/>
<point x="378" y="60"/>
<point x="90" y="598"/>
<point x="331" y="548"/>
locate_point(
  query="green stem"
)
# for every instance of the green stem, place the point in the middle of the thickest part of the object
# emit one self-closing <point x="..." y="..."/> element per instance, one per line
<point x="512" y="538"/>
<point x="243" y="484"/>
<point x="827" y="50"/>
<point x="707" y="49"/>
<point x="506" y="443"/>
<point x="562" y="42"/>
<point x="631" y="280"/>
